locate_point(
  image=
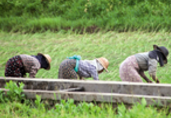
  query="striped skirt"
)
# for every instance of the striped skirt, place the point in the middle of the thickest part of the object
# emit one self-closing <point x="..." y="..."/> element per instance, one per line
<point x="14" y="67"/>
<point x="66" y="69"/>
<point x="129" y="70"/>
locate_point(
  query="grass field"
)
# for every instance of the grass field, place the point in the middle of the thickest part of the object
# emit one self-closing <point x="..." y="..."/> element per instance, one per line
<point x="112" y="45"/>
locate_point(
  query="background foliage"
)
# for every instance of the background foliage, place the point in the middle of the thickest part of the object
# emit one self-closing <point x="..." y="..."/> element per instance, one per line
<point x="88" y="15"/>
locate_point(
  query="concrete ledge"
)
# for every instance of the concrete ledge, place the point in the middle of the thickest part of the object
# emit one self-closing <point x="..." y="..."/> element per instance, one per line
<point x="93" y="86"/>
<point x="113" y="98"/>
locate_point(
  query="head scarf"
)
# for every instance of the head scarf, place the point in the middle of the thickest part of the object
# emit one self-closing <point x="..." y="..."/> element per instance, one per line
<point x="42" y="60"/>
<point x="155" y="54"/>
<point x="95" y="63"/>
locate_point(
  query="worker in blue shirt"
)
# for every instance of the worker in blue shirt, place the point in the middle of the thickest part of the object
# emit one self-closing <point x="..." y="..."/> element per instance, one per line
<point x="74" y="68"/>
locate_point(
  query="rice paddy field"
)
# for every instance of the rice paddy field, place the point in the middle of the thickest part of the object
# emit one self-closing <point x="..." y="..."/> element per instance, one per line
<point x="112" y="45"/>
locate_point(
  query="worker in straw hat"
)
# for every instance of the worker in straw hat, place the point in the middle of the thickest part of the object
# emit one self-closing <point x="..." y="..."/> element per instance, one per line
<point x="73" y="66"/>
<point x="19" y="65"/>
<point x="132" y="68"/>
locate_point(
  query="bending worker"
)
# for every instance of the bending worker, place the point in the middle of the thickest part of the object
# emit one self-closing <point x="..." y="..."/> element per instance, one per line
<point x="133" y="67"/>
<point x="74" y="67"/>
<point x="19" y="65"/>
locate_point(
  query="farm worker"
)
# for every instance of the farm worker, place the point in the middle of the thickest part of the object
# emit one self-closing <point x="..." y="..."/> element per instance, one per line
<point x="73" y="66"/>
<point x="133" y="67"/>
<point x="19" y="65"/>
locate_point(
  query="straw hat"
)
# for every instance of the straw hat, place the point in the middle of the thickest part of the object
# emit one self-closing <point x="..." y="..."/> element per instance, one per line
<point x="163" y="50"/>
<point x="48" y="59"/>
<point x="104" y="62"/>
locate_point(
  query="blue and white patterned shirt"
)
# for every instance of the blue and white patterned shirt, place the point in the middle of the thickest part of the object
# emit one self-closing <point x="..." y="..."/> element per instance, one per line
<point x="87" y="70"/>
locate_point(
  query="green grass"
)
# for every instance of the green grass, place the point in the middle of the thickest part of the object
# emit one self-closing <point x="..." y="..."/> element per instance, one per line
<point x="114" y="46"/>
<point x="83" y="110"/>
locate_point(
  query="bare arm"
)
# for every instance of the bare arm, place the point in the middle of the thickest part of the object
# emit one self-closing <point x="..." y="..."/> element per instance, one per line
<point x="155" y="78"/>
<point x="145" y="77"/>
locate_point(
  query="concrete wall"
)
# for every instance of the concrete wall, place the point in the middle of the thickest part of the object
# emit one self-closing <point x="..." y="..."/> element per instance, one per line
<point x="94" y="86"/>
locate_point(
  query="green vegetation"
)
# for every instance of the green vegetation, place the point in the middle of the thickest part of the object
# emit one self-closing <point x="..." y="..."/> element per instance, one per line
<point x="114" y="46"/>
<point x="83" y="110"/>
<point x="29" y="109"/>
<point x="14" y="93"/>
<point x="85" y="15"/>
<point x="61" y="28"/>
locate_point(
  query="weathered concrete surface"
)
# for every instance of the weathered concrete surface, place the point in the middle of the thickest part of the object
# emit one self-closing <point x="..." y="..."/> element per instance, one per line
<point x="113" y="98"/>
<point x="93" y="86"/>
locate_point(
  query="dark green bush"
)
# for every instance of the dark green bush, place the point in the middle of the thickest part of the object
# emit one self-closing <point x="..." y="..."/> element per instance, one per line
<point x="119" y="15"/>
<point x="14" y="93"/>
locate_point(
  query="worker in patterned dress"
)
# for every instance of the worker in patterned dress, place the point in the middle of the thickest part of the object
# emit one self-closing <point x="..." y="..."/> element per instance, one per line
<point x="19" y="65"/>
<point x="74" y="68"/>
<point x="133" y="67"/>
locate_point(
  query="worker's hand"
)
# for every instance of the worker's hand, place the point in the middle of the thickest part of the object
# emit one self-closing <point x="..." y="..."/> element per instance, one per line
<point x="157" y="81"/>
<point x="149" y="81"/>
<point x="83" y="78"/>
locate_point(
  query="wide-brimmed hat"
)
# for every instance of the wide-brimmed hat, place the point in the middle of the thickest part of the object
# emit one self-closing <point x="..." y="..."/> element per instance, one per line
<point x="163" y="50"/>
<point x="104" y="62"/>
<point x="48" y="59"/>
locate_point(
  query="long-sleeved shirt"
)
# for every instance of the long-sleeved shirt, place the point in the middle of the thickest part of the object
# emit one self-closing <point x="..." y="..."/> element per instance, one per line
<point x="31" y="65"/>
<point x="146" y="63"/>
<point x="87" y="70"/>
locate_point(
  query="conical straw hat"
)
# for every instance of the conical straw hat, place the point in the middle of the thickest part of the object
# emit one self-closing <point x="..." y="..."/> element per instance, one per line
<point x="104" y="62"/>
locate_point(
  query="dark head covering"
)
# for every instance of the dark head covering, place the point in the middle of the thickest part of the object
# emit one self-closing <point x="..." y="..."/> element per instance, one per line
<point x="43" y="61"/>
<point x="46" y="58"/>
<point x="160" y="54"/>
<point x="163" y="50"/>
